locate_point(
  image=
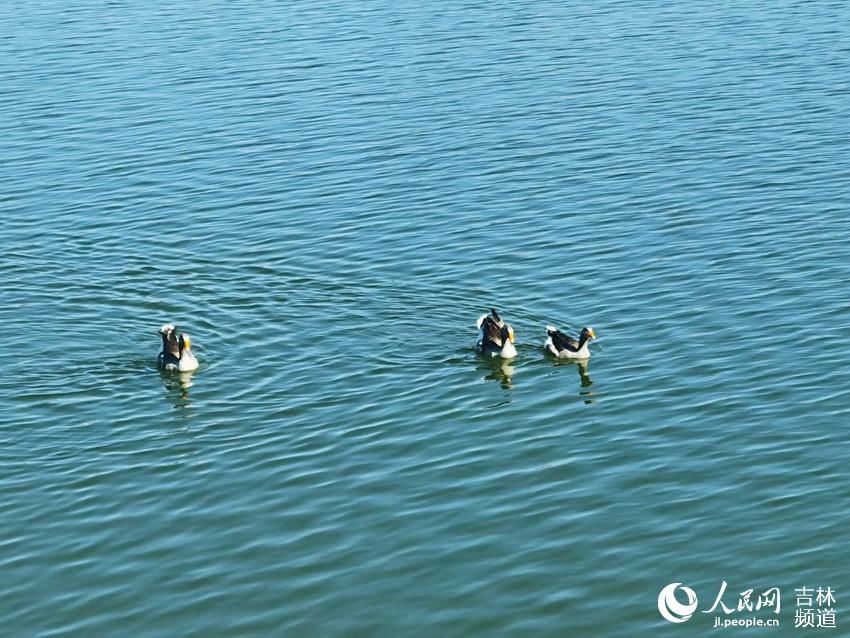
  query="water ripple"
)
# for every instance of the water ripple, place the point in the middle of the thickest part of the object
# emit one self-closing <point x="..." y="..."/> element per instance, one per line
<point x="326" y="199"/>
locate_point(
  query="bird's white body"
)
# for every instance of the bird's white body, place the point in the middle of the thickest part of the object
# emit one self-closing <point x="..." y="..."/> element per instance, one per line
<point x="581" y="353"/>
<point x="185" y="363"/>
<point x="508" y="350"/>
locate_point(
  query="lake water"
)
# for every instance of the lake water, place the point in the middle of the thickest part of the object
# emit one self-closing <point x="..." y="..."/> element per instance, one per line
<point x="326" y="196"/>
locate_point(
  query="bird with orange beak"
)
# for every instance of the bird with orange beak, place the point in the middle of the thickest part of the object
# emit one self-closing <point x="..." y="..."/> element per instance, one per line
<point x="495" y="337"/>
<point x="176" y="354"/>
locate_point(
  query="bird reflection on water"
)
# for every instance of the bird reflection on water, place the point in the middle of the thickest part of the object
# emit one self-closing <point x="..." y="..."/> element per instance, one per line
<point x="177" y="386"/>
<point x="582" y="366"/>
<point x="500" y="370"/>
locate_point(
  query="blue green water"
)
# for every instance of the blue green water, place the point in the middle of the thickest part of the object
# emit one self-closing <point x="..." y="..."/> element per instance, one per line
<point x="325" y="196"/>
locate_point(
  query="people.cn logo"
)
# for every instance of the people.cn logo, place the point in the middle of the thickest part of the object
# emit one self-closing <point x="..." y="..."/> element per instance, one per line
<point x="670" y="607"/>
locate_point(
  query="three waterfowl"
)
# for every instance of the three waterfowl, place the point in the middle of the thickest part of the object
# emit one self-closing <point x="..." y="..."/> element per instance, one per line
<point x="495" y="337"/>
<point x="565" y="347"/>
<point x="176" y="354"/>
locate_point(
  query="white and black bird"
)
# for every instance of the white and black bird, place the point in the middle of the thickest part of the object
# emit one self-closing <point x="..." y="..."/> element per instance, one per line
<point x="176" y="352"/>
<point x="495" y="337"/>
<point x="565" y="347"/>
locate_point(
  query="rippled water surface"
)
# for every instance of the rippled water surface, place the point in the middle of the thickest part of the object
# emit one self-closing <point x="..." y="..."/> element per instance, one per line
<point x="326" y="196"/>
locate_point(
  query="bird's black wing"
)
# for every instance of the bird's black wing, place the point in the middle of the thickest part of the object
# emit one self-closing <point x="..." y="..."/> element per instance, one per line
<point x="491" y="331"/>
<point x="562" y="341"/>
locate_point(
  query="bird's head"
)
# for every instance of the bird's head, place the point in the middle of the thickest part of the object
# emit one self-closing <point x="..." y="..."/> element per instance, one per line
<point x="170" y="342"/>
